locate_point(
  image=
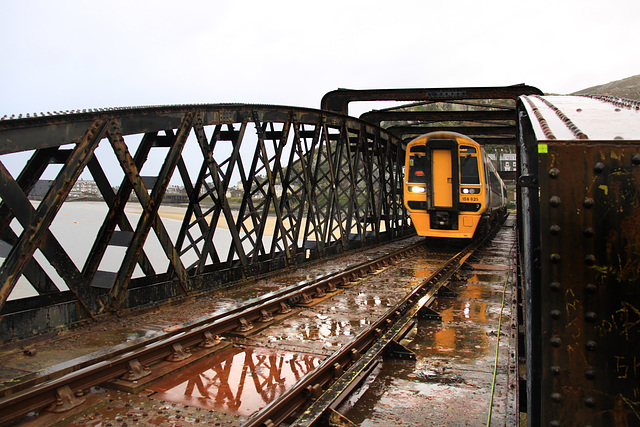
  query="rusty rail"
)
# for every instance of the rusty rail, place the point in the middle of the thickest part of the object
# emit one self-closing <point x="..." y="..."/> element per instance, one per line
<point x="32" y="396"/>
<point x="325" y="387"/>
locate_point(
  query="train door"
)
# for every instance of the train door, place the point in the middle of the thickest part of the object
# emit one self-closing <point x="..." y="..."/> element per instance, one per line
<point x="443" y="179"/>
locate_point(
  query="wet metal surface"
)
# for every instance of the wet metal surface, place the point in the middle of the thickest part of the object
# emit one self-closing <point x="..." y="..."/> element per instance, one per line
<point x="330" y="324"/>
<point x="452" y="374"/>
<point x="238" y="381"/>
<point x="67" y="349"/>
<point x="450" y="382"/>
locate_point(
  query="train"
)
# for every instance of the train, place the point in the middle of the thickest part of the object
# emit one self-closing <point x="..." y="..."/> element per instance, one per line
<point x="451" y="188"/>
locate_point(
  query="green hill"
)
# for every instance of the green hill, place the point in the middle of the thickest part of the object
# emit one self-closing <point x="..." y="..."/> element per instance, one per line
<point x="628" y="88"/>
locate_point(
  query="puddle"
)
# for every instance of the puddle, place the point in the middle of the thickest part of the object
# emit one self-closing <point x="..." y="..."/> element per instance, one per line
<point x="318" y="328"/>
<point x="486" y="278"/>
<point x="406" y="402"/>
<point x="237" y="381"/>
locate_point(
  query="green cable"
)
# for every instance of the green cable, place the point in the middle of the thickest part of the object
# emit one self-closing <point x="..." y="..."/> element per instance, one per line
<point x="495" y="364"/>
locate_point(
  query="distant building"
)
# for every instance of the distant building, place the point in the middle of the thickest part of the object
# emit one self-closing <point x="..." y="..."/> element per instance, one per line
<point x="84" y="187"/>
<point x="504" y="161"/>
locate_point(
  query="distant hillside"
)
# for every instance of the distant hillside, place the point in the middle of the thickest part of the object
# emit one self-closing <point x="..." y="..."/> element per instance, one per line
<point x="628" y="88"/>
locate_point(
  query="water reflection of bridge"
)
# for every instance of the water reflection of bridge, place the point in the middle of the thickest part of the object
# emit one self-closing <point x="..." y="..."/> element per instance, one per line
<point x="237" y="381"/>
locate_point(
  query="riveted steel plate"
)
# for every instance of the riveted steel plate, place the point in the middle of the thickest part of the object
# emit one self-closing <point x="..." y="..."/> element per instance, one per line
<point x="590" y="282"/>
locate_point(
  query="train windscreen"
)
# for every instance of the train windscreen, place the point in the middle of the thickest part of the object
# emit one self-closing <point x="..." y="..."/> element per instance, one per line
<point x="469" y="169"/>
<point x="418" y="165"/>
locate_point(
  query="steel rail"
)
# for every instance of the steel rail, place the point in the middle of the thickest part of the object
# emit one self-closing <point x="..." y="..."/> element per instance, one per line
<point x="422" y="297"/>
<point x="32" y="395"/>
<point x="322" y="388"/>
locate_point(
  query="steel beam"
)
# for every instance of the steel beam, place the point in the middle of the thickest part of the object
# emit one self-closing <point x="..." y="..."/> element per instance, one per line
<point x="338" y="100"/>
<point x="323" y="180"/>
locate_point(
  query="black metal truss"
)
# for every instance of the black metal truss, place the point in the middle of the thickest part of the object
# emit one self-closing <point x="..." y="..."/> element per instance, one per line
<point x="338" y="100"/>
<point x="313" y="184"/>
<point x="486" y="114"/>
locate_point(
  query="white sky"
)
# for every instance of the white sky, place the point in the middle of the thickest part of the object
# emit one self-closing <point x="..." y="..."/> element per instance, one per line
<point x="73" y="54"/>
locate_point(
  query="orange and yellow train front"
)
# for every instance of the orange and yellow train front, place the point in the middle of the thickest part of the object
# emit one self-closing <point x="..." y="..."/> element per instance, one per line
<point x="444" y="186"/>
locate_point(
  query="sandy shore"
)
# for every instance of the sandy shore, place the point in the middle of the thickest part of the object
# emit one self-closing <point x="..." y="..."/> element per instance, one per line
<point x="177" y="213"/>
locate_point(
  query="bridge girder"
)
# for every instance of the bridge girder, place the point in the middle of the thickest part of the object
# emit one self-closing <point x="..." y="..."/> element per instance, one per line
<point x="312" y="184"/>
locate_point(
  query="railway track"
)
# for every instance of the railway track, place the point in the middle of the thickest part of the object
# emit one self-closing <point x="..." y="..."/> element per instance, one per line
<point x="310" y="400"/>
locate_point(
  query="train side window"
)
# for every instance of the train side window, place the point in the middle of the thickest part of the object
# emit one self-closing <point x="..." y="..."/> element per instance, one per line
<point x="417" y="170"/>
<point x="469" y="169"/>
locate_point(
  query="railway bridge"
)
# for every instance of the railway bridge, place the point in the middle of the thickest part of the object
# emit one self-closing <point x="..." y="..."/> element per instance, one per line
<point x="191" y="199"/>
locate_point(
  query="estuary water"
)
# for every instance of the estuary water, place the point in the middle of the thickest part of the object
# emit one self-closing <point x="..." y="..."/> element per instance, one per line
<point x="77" y="224"/>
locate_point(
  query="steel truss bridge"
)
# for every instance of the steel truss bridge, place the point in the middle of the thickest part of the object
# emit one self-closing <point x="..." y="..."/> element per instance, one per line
<point x="310" y="184"/>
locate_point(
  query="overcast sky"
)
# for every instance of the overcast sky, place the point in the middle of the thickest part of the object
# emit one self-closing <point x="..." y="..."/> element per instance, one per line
<point x="72" y="54"/>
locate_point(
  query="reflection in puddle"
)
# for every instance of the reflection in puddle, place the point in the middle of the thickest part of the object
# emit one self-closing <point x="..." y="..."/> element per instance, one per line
<point x="319" y="328"/>
<point x="236" y="381"/>
<point x="460" y="335"/>
<point x="486" y="278"/>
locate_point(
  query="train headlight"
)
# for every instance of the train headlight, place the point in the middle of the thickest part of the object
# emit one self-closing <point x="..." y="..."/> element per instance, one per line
<point x="470" y="191"/>
<point x="414" y="189"/>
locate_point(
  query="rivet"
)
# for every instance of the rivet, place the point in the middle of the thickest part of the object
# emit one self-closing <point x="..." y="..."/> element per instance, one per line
<point x="556" y="397"/>
<point x="555" y="342"/>
<point x="591" y="345"/>
<point x="554" y="201"/>
<point x="555" y="258"/>
<point x="555" y="314"/>
<point x="635" y="159"/>
<point x="555" y="370"/>
<point x="591" y="316"/>
<point x="598" y="167"/>
<point x="590" y="374"/>
<point x="588" y="232"/>
<point x="554" y="230"/>
<point x="591" y="288"/>
<point x="589" y="259"/>
<point x="554" y="173"/>
<point x="555" y="286"/>
<point x="588" y="202"/>
<point x="590" y="402"/>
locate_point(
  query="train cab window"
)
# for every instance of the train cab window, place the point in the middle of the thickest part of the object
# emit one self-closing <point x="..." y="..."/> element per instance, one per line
<point x="465" y="149"/>
<point x="417" y="170"/>
<point x="469" y="169"/>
